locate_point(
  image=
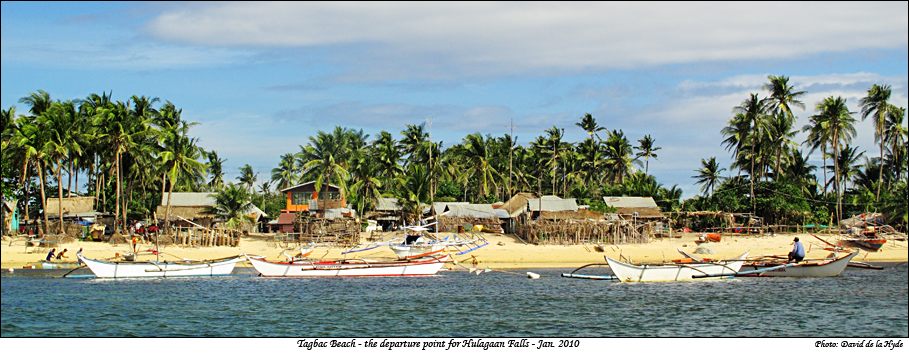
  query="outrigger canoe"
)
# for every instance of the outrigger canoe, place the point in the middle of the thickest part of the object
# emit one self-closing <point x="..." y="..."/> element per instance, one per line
<point x="130" y="269"/>
<point x="814" y="268"/>
<point x="349" y="267"/>
<point x="626" y="272"/>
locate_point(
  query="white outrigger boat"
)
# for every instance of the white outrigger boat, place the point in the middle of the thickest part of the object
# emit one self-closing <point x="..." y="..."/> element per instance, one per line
<point x="808" y="268"/>
<point x="349" y="267"/>
<point x="626" y="272"/>
<point x="185" y="268"/>
<point x="418" y="243"/>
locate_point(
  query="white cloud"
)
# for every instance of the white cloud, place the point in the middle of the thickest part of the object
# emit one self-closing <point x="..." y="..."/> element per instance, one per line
<point x="513" y="37"/>
<point x="130" y="56"/>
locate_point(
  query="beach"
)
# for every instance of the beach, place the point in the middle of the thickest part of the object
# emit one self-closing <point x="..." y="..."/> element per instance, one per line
<point x="503" y="251"/>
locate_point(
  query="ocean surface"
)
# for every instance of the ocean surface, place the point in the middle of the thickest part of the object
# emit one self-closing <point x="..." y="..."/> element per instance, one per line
<point x="859" y="303"/>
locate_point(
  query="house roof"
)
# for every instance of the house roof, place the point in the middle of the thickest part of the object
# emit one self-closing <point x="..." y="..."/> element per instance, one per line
<point x="627" y="205"/>
<point x="470" y="210"/>
<point x="517" y="204"/>
<point x="189" y="199"/>
<point x="286" y="218"/>
<point x="550" y="203"/>
<point x="387" y="204"/>
<point x="71" y="206"/>
<point x="305" y="184"/>
<point x="10" y="205"/>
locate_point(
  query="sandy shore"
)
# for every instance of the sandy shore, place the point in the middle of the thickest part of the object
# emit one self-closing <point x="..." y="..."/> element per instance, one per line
<point x="503" y="252"/>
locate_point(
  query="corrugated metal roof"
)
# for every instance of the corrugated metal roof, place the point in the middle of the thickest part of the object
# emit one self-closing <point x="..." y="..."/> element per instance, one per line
<point x="189" y="199"/>
<point x="551" y="203"/>
<point x="630" y="202"/>
<point x="470" y="210"/>
<point x="307" y="183"/>
<point x="387" y="204"/>
<point x="335" y="213"/>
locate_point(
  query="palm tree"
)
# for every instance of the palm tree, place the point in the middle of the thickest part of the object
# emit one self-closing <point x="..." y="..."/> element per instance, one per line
<point x="646" y="150"/>
<point x="838" y="124"/>
<point x="387" y="155"/>
<point x="896" y="135"/>
<point x="247" y="176"/>
<point x="284" y="175"/>
<point x="801" y="171"/>
<point x="475" y="153"/>
<point x="318" y="157"/>
<point x="589" y="125"/>
<point x="123" y="132"/>
<point x="708" y="175"/>
<point x="215" y="170"/>
<point x="231" y="202"/>
<point x="619" y="156"/>
<point x="414" y="144"/>
<point x="181" y="157"/>
<point x="847" y="161"/>
<point x="57" y="123"/>
<point x="754" y="112"/>
<point x="875" y="103"/>
<point x="414" y="191"/>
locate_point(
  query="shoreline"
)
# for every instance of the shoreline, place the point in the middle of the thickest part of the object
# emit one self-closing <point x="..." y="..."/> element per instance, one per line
<point x="503" y="251"/>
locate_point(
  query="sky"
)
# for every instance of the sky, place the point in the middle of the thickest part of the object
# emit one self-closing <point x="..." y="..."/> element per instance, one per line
<point x="261" y="78"/>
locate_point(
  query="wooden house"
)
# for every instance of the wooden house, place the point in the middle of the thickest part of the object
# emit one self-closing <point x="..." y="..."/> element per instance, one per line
<point x="304" y="197"/>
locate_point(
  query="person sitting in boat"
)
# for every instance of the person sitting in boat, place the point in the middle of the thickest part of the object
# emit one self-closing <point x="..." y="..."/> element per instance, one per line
<point x="798" y="251"/>
<point x="61" y="256"/>
<point x="50" y="255"/>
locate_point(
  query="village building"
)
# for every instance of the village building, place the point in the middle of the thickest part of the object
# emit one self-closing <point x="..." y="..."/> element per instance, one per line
<point x="10" y="218"/>
<point x="305" y="198"/>
<point x="458" y="216"/>
<point x="196" y="208"/>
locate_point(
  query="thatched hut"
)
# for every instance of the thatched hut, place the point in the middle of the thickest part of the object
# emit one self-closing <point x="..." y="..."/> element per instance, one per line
<point x="455" y="215"/>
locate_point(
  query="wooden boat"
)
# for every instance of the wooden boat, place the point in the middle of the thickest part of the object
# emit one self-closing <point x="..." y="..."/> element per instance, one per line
<point x="874" y="244"/>
<point x="349" y="267"/>
<point x="130" y="269"/>
<point x="418" y="243"/>
<point x="809" y="268"/>
<point x="51" y="265"/>
<point x="626" y="272"/>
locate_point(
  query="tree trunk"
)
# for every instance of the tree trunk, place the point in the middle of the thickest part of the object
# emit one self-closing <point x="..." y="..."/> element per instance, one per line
<point x="167" y="209"/>
<point x="117" y="201"/>
<point x="25" y="181"/>
<point x="43" y="197"/>
<point x="60" y="194"/>
<point x="836" y="177"/>
<point x="69" y="183"/>
<point x="752" y="176"/>
<point x="880" y="176"/>
<point x="824" y="156"/>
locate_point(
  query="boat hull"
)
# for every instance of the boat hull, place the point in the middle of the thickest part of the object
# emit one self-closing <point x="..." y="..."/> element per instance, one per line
<point x="829" y="268"/>
<point x="349" y="268"/>
<point x="404" y="252"/>
<point x="672" y="272"/>
<point x="112" y="269"/>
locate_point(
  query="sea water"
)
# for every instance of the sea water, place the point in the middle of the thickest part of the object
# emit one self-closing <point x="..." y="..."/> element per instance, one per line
<point x="859" y="303"/>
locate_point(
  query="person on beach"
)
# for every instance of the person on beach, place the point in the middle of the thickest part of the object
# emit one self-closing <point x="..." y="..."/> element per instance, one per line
<point x="798" y="251"/>
<point x="50" y="255"/>
<point x="61" y="256"/>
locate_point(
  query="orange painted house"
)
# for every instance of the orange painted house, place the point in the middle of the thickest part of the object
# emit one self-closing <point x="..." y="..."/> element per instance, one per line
<point x="304" y="197"/>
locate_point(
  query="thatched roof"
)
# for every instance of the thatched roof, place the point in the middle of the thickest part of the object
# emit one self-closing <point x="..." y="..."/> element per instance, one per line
<point x="72" y="206"/>
<point x="188" y="212"/>
<point x="517" y="205"/>
<point x="189" y="199"/>
<point x="645" y="207"/>
<point x="388" y="204"/>
<point x="551" y="203"/>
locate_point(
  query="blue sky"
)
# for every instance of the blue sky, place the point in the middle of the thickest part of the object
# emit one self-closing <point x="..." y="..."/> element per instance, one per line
<point x="262" y="77"/>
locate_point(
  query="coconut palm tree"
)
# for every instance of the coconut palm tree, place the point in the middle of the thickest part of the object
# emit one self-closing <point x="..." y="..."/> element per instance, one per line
<point x="387" y="155"/>
<point x="318" y="157"/>
<point x="414" y="144"/>
<point x="247" y="176"/>
<point x="215" y="170"/>
<point x="413" y="191"/>
<point x="619" y="156"/>
<point x="838" y="124"/>
<point x="285" y="174"/>
<point x="754" y="112"/>
<point x="646" y="150"/>
<point x="590" y="125"/>
<point x="231" y="202"/>
<point x="896" y="135"/>
<point x="708" y="175"/>
<point x="875" y="104"/>
<point x="123" y="132"/>
<point x="475" y="154"/>
<point x="57" y="123"/>
<point x="180" y="157"/>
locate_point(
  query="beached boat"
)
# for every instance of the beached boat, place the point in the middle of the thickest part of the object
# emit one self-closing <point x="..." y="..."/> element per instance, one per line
<point x="418" y="243"/>
<point x="626" y="272"/>
<point x="130" y="269"/>
<point x="810" y="268"/>
<point x="874" y="244"/>
<point x="349" y="267"/>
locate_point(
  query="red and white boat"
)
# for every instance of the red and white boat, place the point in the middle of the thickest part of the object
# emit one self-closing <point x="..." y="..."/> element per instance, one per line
<point x="349" y="267"/>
